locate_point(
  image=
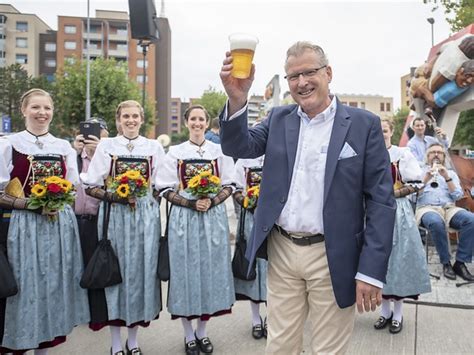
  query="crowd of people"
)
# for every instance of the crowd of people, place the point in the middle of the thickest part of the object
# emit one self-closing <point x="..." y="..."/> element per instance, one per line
<point x="312" y="164"/>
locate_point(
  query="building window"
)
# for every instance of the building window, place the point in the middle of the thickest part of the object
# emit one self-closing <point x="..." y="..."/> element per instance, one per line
<point x="122" y="31"/>
<point x="70" y="45"/>
<point x="387" y="106"/>
<point x="50" y="47"/>
<point x="2" y="54"/>
<point x="2" y="36"/>
<point x="140" y="79"/>
<point x="174" y="103"/>
<point x="21" y="59"/>
<point x="21" y="42"/>
<point x="22" y="26"/>
<point x="70" y="29"/>
<point x="50" y="63"/>
<point x="362" y="105"/>
<point x="353" y="104"/>
<point x="174" y="125"/>
<point x="174" y="118"/>
<point x="122" y="47"/>
<point x="3" y="19"/>
<point x="382" y="107"/>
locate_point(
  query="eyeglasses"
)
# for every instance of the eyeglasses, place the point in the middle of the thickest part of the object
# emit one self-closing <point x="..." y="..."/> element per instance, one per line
<point x="437" y="152"/>
<point x="306" y="74"/>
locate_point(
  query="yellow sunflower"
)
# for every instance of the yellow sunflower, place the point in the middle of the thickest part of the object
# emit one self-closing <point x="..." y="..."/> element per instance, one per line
<point x="53" y="180"/>
<point x="123" y="190"/>
<point x="194" y="182"/>
<point x="215" y="180"/>
<point x="66" y="185"/>
<point x="132" y="174"/>
<point x="205" y="173"/>
<point x="38" y="190"/>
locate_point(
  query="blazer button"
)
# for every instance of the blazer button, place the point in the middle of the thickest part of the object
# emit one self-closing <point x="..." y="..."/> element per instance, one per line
<point x="282" y="199"/>
<point x="265" y="229"/>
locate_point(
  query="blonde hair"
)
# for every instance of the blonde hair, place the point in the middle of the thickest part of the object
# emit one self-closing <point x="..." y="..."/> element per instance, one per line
<point x="25" y="98"/>
<point x="388" y="121"/>
<point x="129" y="103"/>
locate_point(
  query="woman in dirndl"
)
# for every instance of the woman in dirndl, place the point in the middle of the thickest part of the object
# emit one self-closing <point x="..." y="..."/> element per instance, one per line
<point x="201" y="284"/>
<point x="407" y="275"/>
<point x="134" y="226"/>
<point x="44" y="250"/>
<point x="248" y="178"/>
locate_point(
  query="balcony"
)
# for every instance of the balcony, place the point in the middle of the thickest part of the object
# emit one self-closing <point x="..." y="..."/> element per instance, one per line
<point x="93" y="36"/>
<point x="122" y="37"/>
<point x="117" y="53"/>
<point x="93" y="52"/>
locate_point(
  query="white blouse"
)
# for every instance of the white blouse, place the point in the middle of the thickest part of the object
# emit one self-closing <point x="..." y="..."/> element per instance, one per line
<point x="409" y="167"/>
<point x="240" y="166"/>
<point x="100" y="165"/>
<point x="26" y="143"/>
<point x="168" y="176"/>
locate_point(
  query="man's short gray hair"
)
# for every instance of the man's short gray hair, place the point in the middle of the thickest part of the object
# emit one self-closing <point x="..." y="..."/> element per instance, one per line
<point x="300" y="47"/>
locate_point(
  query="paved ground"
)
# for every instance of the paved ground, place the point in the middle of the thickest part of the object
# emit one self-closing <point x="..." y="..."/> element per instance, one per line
<point x="441" y="323"/>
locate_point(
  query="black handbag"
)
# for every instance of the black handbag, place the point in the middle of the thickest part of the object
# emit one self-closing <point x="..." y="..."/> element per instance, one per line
<point x="240" y="264"/>
<point x="8" y="286"/>
<point x="103" y="269"/>
<point x="163" y="271"/>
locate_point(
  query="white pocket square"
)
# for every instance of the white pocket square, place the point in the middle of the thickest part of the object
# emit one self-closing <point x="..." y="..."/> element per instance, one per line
<point x="346" y="152"/>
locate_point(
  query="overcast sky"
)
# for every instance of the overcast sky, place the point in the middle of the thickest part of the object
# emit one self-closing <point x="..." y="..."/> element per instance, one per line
<point x="370" y="44"/>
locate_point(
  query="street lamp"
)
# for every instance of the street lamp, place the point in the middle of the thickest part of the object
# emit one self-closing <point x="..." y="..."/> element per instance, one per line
<point x="431" y="21"/>
<point x="88" y="70"/>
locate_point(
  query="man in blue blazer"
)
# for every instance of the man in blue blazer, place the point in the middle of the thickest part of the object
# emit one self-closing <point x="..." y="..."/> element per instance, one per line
<point x="326" y="203"/>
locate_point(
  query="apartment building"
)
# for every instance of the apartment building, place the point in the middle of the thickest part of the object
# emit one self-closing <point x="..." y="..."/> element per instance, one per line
<point x="20" y="38"/>
<point x="382" y="106"/>
<point x="110" y="37"/>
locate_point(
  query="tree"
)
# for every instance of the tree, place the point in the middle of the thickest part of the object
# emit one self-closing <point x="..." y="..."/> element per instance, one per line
<point x="464" y="130"/>
<point x="463" y="11"/>
<point x="14" y="82"/>
<point x="213" y="101"/>
<point x="109" y="86"/>
<point x="399" y="120"/>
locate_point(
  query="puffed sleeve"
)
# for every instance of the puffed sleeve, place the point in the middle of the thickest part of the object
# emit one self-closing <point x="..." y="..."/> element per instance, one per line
<point x="99" y="167"/>
<point x="166" y="175"/>
<point x="409" y="167"/>
<point x="5" y="162"/>
<point x="159" y="157"/>
<point x="72" y="173"/>
<point x="227" y="170"/>
<point x="240" y="174"/>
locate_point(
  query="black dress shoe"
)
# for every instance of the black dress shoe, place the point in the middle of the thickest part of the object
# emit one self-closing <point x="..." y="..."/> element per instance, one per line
<point x="382" y="322"/>
<point x="134" y="351"/>
<point x="265" y="332"/>
<point x="205" y="345"/>
<point x="461" y="270"/>
<point x="257" y="331"/>
<point x="396" y="326"/>
<point x="191" y="347"/>
<point x="448" y="271"/>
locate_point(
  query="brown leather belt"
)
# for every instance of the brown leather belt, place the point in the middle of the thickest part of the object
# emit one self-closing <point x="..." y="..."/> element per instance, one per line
<point x="307" y="240"/>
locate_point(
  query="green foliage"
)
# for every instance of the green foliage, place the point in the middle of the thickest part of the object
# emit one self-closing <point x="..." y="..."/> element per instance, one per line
<point x="399" y="120"/>
<point x="462" y="10"/>
<point x="14" y="81"/>
<point x="177" y="138"/>
<point x="109" y="86"/>
<point x="213" y="101"/>
<point x="464" y="134"/>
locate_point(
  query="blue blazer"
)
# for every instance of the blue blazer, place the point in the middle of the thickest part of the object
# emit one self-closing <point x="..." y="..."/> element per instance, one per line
<point x="359" y="206"/>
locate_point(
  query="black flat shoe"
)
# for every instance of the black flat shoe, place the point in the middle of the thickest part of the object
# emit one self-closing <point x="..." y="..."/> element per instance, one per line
<point x="382" y="322"/>
<point x="205" y="345"/>
<point x="134" y="351"/>
<point x="461" y="270"/>
<point x="191" y="347"/>
<point x="117" y="353"/>
<point x="265" y="332"/>
<point x="396" y="326"/>
<point x="257" y="331"/>
<point x="448" y="271"/>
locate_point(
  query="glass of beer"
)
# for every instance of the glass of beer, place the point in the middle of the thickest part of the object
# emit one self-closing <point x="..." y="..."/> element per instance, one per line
<point x="242" y="48"/>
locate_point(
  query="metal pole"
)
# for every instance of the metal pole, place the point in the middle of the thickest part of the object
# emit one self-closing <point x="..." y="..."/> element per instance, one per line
<point x="432" y="34"/>
<point x="144" y="46"/>
<point x="88" y="75"/>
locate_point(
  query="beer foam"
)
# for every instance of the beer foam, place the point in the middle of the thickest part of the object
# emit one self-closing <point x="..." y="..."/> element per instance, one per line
<point x="242" y="41"/>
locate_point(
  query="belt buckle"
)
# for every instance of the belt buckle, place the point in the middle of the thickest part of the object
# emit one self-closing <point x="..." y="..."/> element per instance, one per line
<point x="307" y="240"/>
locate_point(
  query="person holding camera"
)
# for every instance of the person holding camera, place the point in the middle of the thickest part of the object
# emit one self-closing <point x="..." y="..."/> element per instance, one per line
<point x="436" y="210"/>
<point x="86" y="207"/>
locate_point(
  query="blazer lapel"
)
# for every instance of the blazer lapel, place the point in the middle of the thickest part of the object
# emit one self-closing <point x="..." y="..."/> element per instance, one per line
<point x="341" y="125"/>
<point x="292" y="130"/>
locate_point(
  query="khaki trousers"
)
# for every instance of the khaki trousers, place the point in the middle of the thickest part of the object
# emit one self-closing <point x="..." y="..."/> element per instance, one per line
<point x="299" y="285"/>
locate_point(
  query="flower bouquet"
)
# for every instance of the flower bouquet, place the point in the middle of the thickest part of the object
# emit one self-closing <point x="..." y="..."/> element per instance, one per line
<point x="251" y="197"/>
<point x="203" y="184"/>
<point x="129" y="185"/>
<point x="52" y="194"/>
